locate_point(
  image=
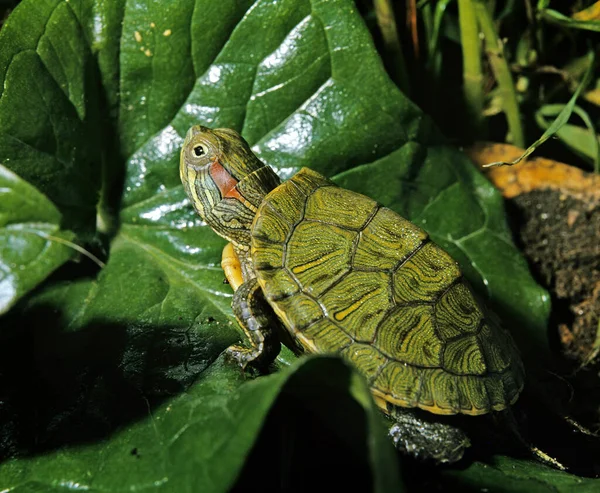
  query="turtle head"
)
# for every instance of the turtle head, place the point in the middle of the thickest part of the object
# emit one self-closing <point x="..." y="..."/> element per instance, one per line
<point x="224" y="180"/>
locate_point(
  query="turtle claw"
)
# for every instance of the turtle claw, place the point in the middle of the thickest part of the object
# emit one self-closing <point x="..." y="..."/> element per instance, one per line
<point x="245" y="356"/>
<point x="240" y="354"/>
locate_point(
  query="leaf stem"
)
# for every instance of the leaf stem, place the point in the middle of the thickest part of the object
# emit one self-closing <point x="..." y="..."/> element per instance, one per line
<point x="506" y="87"/>
<point x="472" y="69"/>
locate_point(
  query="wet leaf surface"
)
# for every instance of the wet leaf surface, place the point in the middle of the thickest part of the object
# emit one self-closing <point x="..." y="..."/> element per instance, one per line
<point x="31" y="240"/>
<point x="198" y="441"/>
<point x="504" y="474"/>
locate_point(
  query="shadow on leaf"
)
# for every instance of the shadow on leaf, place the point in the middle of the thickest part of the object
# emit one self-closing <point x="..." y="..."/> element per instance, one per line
<point x="65" y="388"/>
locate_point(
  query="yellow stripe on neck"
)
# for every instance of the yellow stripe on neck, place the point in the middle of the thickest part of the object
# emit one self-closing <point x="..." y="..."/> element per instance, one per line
<point x="191" y="180"/>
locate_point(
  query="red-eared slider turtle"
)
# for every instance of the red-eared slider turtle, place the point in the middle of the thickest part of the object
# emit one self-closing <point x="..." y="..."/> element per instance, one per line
<point x="342" y="274"/>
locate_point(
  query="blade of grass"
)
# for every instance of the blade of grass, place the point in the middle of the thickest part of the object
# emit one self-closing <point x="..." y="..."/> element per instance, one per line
<point x="435" y="55"/>
<point x="507" y="9"/>
<point x="440" y="10"/>
<point x="590" y="145"/>
<point x="432" y="23"/>
<point x="575" y="22"/>
<point x="426" y="16"/>
<point x="495" y="51"/>
<point x="472" y="69"/>
<point x="560" y="120"/>
<point x="384" y="12"/>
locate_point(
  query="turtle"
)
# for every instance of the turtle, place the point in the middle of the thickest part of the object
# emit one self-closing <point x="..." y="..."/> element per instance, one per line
<point x="327" y="270"/>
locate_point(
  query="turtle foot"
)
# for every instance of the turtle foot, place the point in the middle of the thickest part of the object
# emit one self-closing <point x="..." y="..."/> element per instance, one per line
<point x="242" y="355"/>
<point x="424" y="439"/>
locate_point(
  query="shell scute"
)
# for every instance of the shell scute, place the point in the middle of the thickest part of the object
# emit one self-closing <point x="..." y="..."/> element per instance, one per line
<point x="387" y="240"/>
<point x="425" y="275"/>
<point x="333" y="205"/>
<point x="324" y="336"/>
<point x="398" y="383"/>
<point x="281" y="284"/>
<point x="318" y="264"/>
<point x="457" y="312"/>
<point x="408" y="335"/>
<point x="266" y="254"/>
<point x="273" y="227"/>
<point x="444" y="390"/>
<point x="473" y="395"/>
<point x="359" y="302"/>
<point x="463" y="356"/>
<point x="299" y="311"/>
<point x="495" y="391"/>
<point x="288" y="204"/>
<point x="365" y="357"/>
<point x="497" y="355"/>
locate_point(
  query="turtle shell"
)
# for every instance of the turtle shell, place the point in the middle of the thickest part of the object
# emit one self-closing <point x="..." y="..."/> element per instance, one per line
<point x="351" y="277"/>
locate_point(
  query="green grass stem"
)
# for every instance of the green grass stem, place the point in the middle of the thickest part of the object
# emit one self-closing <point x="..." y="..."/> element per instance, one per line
<point x="387" y="24"/>
<point x="506" y="87"/>
<point x="472" y="67"/>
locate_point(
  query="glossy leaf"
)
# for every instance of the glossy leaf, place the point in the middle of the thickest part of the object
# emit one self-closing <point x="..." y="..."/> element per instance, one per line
<point x="49" y="130"/>
<point x="32" y="244"/>
<point x="506" y="475"/>
<point x="120" y="385"/>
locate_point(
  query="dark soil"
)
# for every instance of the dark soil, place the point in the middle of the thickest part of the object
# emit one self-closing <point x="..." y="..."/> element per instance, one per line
<point x="560" y="236"/>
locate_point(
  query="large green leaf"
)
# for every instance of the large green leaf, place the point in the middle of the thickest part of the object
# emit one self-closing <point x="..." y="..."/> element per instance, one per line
<point x="97" y="96"/>
<point x="32" y="245"/>
<point x="507" y="475"/>
<point x="199" y="440"/>
<point x="49" y="129"/>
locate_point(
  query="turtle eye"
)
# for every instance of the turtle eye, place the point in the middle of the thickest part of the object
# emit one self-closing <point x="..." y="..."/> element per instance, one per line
<point x="199" y="151"/>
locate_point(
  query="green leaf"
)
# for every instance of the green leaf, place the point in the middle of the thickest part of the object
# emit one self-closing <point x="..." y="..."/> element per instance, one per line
<point x="507" y="475"/>
<point x="555" y="17"/>
<point x="32" y="244"/>
<point x="111" y="365"/>
<point x="199" y="440"/>
<point x="49" y="131"/>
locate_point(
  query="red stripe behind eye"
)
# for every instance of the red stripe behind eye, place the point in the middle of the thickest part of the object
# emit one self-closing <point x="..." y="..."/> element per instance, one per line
<point x="224" y="181"/>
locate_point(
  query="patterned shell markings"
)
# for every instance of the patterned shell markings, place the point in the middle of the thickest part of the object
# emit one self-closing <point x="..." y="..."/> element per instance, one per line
<point x="351" y="277"/>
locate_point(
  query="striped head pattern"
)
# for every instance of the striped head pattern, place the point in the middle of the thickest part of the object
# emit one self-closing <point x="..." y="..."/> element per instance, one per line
<point x="225" y="181"/>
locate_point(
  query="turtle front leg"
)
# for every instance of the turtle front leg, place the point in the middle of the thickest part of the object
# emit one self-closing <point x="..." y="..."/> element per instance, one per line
<point x="258" y="322"/>
<point x="255" y="316"/>
<point x="230" y="263"/>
